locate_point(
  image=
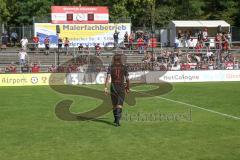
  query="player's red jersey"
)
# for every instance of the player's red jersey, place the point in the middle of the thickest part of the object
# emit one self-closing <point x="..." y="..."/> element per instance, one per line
<point x="118" y="73"/>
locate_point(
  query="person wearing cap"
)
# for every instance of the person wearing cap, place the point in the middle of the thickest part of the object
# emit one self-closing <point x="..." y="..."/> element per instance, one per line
<point x="119" y="74"/>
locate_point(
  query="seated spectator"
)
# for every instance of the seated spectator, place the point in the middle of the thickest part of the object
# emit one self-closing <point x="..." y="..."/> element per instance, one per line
<point x="11" y="68"/>
<point x="52" y="68"/>
<point x="35" y="68"/>
<point x="25" y="68"/>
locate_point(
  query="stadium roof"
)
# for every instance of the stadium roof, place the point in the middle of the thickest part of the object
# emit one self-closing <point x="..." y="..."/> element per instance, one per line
<point x="200" y="23"/>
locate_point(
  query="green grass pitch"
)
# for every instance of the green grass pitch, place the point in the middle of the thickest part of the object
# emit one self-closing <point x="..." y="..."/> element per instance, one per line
<point x="30" y="130"/>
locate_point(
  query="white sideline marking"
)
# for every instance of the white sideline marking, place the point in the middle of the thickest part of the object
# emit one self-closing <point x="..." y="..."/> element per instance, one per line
<point x="194" y="106"/>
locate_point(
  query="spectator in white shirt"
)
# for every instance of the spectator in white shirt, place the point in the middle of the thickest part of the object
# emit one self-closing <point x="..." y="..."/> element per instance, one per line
<point x="24" y="43"/>
<point x="22" y="57"/>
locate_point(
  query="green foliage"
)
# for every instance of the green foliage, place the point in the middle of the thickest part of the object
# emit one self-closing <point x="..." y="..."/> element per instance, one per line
<point x="142" y="12"/>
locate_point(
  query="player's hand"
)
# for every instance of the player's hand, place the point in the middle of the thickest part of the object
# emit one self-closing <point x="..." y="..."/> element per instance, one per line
<point x="127" y="90"/>
<point x="106" y="92"/>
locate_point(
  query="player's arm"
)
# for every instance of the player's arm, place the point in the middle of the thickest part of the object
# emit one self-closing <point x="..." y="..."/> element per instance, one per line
<point x="106" y="84"/>
<point x="126" y="74"/>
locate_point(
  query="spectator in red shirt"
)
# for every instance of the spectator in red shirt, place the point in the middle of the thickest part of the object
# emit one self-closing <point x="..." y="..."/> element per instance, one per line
<point x="35" y="68"/>
<point x="140" y="43"/>
<point x="36" y="41"/>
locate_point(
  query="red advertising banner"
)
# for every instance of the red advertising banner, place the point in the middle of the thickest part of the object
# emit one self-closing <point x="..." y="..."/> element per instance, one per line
<point x="79" y="15"/>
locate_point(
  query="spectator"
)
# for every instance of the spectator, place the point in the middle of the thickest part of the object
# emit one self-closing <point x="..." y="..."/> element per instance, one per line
<point x="60" y="42"/>
<point x="11" y="68"/>
<point x="140" y="43"/>
<point x="126" y="39"/>
<point x="66" y="45"/>
<point x="36" y="41"/>
<point x="47" y="45"/>
<point x="35" y="68"/>
<point x="80" y="48"/>
<point x="4" y="40"/>
<point x="87" y="49"/>
<point x="200" y="36"/>
<point x="22" y="57"/>
<point x="131" y="40"/>
<point x="24" y="43"/>
<point x="145" y="38"/>
<point x="205" y="34"/>
<point x="176" y="43"/>
<point x="14" y="38"/>
<point x="97" y="50"/>
<point x="25" y="68"/>
<point x="52" y="68"/>
<point x="115" y="37"/>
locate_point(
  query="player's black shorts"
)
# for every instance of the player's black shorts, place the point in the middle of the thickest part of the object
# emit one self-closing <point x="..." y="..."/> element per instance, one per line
<point x="117" y="94"/>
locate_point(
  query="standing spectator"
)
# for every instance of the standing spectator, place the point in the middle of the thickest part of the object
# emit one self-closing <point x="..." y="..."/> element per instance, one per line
<point x="80" y="48"/>
<point x="35" y="68"/>
<point x="4" y="40"/>
<point x="36" y="41"/>
<point x="24" y="43"/>
<point x="47" y="43"/>
<point x="131" y="40"/>
<point x="97" y="50"/>
<point x="140" y="43"/>
<point x="22" y="57"/>
<point x="225" y="42"/>
<point x="14" y="38"/>
<point x="126" y="39"/>
<point x="200" y="36"/>
<point x="145" y="38"/>
<point x="115" y="37"/>
<point x="176" y="43"/>
<point x="66" y="45"/>
<point x="60" y="42"/>
<point x="205" y="34"/>
<point x="87" y="49"/>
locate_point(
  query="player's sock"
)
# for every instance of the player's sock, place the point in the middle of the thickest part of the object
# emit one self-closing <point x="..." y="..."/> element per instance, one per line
<point x="115" y="115"/>
<point x="119" y="114"/>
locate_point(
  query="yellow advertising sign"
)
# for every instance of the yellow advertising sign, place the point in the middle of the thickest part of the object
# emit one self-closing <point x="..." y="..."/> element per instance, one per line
<point x="30" y="79"/>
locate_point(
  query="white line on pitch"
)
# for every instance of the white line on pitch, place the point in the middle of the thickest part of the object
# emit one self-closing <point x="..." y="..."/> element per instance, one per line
<point x="194" y="106"/>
